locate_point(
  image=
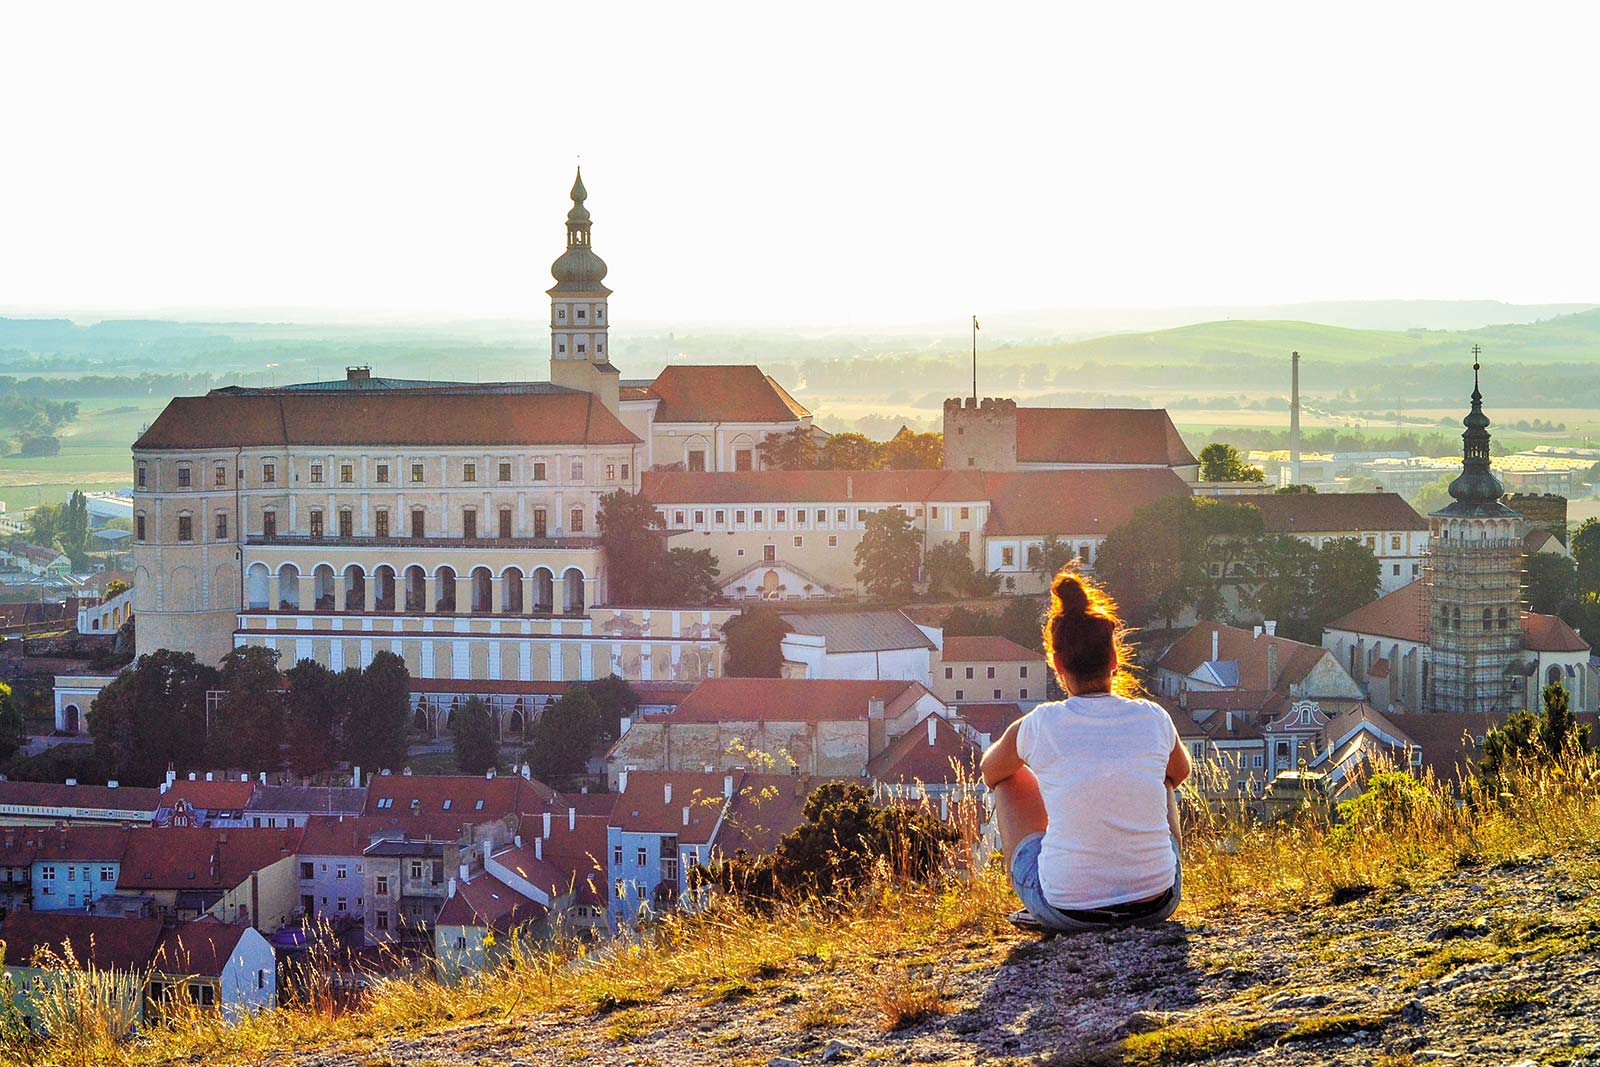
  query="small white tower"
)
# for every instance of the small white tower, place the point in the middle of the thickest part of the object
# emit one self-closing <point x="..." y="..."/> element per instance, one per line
<point x="578" y="318"/>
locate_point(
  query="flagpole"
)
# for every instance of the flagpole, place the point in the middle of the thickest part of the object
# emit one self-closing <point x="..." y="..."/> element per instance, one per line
<point x="974" y="360"/>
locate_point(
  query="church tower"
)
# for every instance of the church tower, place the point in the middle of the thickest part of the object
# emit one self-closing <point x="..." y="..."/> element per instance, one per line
<point x="1475" y="583"/>
<point x="578" y="349"/>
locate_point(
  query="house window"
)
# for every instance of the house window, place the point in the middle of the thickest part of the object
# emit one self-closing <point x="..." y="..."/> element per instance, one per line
<point x="991" y="673"/>
<point x="697" y="459"/>
<point x="505" y="471"/>
<point x="997" y="694"/>
<point x="538" y="472"/>
<point x="269" y="473"/>
<point x="383" y="920"/>
<point x="383" y="474"/>
<point x="961" y="694"/>
<point x="611" y="472"/>
<point x="138" y="526"/>
<point x="969" y="674"/>
<point x="108" y="874"/>
<point x="949" y="673"/>
<point x="616" y="855"/>
<point x="1008" y="557"/>
<point x="780" y="517"/>
<point x="469" y="523"/>
<point x="316" y="474"/>
<point x="185" y="528"/>
<point x="416" y="472"/>
<point x="469" y="472"/>
<point x="140" y="475"/>
<point x="799" y="541"/>
<point x="769" y="553"/>
<point x="966" y="538"/>
<point x="380" y="521"/>
<point x="382" y="885"/>
<point x="966" y="513"/>
<point x="419" y="522"/>
<point x="833" y="540"/>
<point x="757" y="517"/>
<point x="1305" y="716"/>
<point x="184" y="474"/>
<point x="669" y="869"/>
<point x="738" y="517"/>
<point x="1394" y="542"/>
<point x="269" y="524"/>
<point x="346" y="523"/>
<point x="1022" y="694"/>
<point x="1033" y="556"/>
<point x="340" y="870"/>
<point x="644" y="856"/>
<point x="577" y="520"/>
<point x="539" y="522"/>
<point x="624" y="472"/>
<point x="822" y="517"/>
<point x="505" y="523"/>
<point x="841" y="516"/>
<point x="347" y="473"/>
<point x="222" y="526"/>
<point x="308" y="870"/>
<point x="577" y="470"/>
<point x="699" y="518"/>
<point x="316" y="523"/>
<point x="416" y="869"/>
<point x="1023" y="671"/>
<point x="742" y="460"/>
<point x="1257" y="760"/>
<point x="220" y="475"/>
<point x="583" y="313"/>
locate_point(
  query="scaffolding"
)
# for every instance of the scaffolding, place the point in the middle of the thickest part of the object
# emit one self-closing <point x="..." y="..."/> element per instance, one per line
<point x="1474" y="624"/>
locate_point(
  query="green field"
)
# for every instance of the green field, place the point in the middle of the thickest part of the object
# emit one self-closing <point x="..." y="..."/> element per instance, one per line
<point x="94" y="454"/>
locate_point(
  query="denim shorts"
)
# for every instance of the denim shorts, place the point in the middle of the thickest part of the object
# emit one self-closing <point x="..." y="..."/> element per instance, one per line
<point x="1025" y="879"/>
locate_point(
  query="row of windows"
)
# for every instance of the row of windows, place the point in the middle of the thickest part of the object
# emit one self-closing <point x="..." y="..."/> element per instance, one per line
<point x="380" y="524"/>
<point x="47" y="873"/>
<point x="780" y="516"/>
<point x="599" y="313"/>
<point x="346" y="472"/>
<point x="384" y="803"/>
<point x="1008" y="555"/>
<point x="1450" y="619"/>
<point x="1022" y="694"/>
<point x="949" y="672"/>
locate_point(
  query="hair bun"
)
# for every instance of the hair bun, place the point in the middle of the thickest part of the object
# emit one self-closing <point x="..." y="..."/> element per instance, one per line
<point x="1070" y="594"/>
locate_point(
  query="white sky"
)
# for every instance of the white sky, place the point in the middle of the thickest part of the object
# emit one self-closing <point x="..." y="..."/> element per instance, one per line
<point x="858" y="163"/>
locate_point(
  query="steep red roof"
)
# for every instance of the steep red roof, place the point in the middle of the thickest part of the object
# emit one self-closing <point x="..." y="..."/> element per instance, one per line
<point x="55" y="795"/>
<point x="764" y="808"/>
<point x="200" y="857"/>
<point x="686" y="803"/>
<point x="200" y="949"/>
<point x="1550" y="633"/>
<point x="487" y="901"/>
<point x="1100" y="436"/>
<point x="210" y="796"/>
<point x="579" y="852"/>
<point x="463" y="798"/>
<point x="107" y="942"/>
<point x="792" y="700"/>
<point x="914" y="757"/>
<point x="1330" y="513"/>
<point x="1295" y="660"/>
<point x="982" y="649"/>
<point x="79" y="843"/>
<point x="1076" y="501"/>
<point x="989" y="718"/>
<point x="414" y="419"/>
<point x="1401" y="615"/>
<point x="722" y="394"/>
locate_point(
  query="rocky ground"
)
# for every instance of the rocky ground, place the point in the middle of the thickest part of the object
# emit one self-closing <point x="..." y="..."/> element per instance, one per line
<point x="1491" y="965"/>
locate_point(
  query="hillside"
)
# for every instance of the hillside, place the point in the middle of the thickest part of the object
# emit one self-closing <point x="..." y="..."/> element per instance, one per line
<point x="1490" y="964"/>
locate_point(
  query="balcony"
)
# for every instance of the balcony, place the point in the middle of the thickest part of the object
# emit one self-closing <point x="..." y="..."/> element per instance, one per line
<point x="334" y="540"/>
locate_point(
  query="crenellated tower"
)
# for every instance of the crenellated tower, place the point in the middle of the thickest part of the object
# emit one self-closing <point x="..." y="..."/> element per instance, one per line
<point x="1475" y="583"/>
<point x="579" y="357"/>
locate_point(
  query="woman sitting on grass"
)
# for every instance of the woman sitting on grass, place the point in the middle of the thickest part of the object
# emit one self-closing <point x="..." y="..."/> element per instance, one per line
<point x="1083" y="787"/>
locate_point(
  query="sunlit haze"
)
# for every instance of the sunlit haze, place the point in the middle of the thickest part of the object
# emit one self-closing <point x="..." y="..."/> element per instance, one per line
<point x="841" y="164"/>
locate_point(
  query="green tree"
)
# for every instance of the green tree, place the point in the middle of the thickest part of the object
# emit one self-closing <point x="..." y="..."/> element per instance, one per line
<point x="635" y="548"/>
<point x="850" y="452"/>
<point x="615" y="699"/>
<point x="1392" y="801"/>
<point x="1586" y="552"/>
<point x="379" y="716"/>
<point x="1158" y="563"/>
<point x="1346" y="576"/>
<point x="152" y="715"/>
<point x="1294" y="488"/>
<point x="561" y="740"/>
<point x="74" y="532"/>
<point x="1433" y="496"/>
<point x="472" y="729"/>
<point x="1022" y="621"/>
<point x="247" y="729"/>
<point x="1220" y="462"/>
<point x="888" y="554"/>
<point x="793" y="451"/>
<point x="1550" y="582"/>
<point x="311" y="716"/>
<point x="115" y="588"/>
<point x="910" y="451"/>
<point x="754" y="642"/>
<point x="687" y="577"/>
<point x="1053" y="555"/>
<point x="1283" y="585"/>
<point x="44" y="525"/>
<point x="1529" y="740"/>
<point x="13" y="730"/>
<point x="950" y="572"/>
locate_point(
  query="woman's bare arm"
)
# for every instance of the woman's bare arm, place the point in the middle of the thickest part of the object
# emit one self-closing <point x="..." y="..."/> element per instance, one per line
<point x="1178" y="766"/>
<point x="1001" y="761"/>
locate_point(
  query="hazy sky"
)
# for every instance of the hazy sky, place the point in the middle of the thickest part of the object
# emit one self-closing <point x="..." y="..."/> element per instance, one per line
<point x="854" y="163"/>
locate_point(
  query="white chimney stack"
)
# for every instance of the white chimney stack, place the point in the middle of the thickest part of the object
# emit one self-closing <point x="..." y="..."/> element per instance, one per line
<point x="538" y="848"/>
<point x="208" y="776"/>
<point x="622" y="780"/>
<point x="667" y="790"/>
<point x="572" y="819"/>
<point x="465" y="873"/>
<point x="686" y="815"/>
<point x="546" y="824"/>
<point x="1216" y="636"/>
<point x="933" y="731"/>
<point x="488" y="850"/>
<point x="1271" y="627"/>
<point x="450" y="888"/>
<point x="355" y="776"/>
<point x="727" y="785"/>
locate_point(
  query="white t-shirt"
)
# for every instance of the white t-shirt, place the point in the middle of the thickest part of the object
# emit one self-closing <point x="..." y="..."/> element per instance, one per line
<point x="1101" y="761"/>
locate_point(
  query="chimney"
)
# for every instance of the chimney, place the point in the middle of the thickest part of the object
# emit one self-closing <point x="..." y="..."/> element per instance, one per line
<point x="1272" y="665"/>
<point x="489" y="774"/>
<point x="1216" y="636"/>
<point x="622" y="780"/>
<point x="358" y="374"/>
<point x="488" y="850"/>
<point x="111" y="784"/>
<point x="686" y="815"/>
<point x="538" y="848"/>
<point x="667" y="789"/>
<point x="1227" y="721"/>
<point x="172" y="776"/>
<point x="622" y="726"/>
<point x="516" y="839"/>
<point x="191" y="776"/>
<point x="355" y="776"/>
<point x="463" y="871"/>
<point x="1270" y="627"/>
<point x="933" y="730"/>
<point x="450" y="889"/>
<point x="546" y="825"/>
<point x="246" y="777"/>
<point x="875" y="708"/>
<point x="850" y="487"/>
<point x="208" y="776"/>
<point x="572" y="819"/>
<point x="527" y="771"/>
<point x="727" y="786"/>
<point x="1257" y="630"/>
<point x="1294" y="417"/>
<point x="263" y="777"/>
<point x="72" y="781"/>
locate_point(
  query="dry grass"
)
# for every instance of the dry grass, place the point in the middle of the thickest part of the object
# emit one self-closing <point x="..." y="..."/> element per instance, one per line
<point x="719" y="953"/>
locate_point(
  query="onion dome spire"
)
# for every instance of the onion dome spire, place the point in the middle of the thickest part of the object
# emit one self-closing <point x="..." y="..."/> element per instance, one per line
<point x="578" y="270"/>
<point x="1476" y="490"/>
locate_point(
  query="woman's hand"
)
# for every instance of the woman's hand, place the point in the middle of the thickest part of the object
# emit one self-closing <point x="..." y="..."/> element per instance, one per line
<point x="1001" y="761"/>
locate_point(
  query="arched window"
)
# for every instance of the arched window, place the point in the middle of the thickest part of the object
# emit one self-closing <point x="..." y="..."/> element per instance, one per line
<point x="383" y="592"/>
<point x="355" y="588"/>
<point x="322" y="596"/>
<point x="446" y="599"/>
<point x="544" y="597"/>
<point x="259" y="596"/>
<point x="1488" y="619"/>
<point x="1503" y="618"/>
<point x="1455" y="619"/>
<point x="416" y="590"/>
<point x="572" y="592"/>
<point x="511" y="591"/>
<point x="288" y="587"/>
<point x="482" y="591"/>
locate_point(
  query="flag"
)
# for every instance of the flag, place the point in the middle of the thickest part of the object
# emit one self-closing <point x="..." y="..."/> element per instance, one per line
<point x="975" y="325"/>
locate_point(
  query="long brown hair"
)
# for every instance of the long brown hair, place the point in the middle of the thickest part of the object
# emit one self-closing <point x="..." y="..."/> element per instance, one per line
<point x="1083" y="634"/>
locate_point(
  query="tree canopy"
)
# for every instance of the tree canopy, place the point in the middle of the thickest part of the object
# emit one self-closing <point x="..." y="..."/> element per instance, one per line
<point x="153" y="715"/>
<point x="889" y="554"/>
<point x="642" y="569"/>
<point x="951" y="573"/>
<point x="754" y="643"/>
<point x="472" y="730"/>
<point x="1528" y="740"/>
<point x="1221" y="462"/>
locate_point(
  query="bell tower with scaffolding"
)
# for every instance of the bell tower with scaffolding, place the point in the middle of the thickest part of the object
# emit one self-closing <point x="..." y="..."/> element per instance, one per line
<point x="1474" y="583"/>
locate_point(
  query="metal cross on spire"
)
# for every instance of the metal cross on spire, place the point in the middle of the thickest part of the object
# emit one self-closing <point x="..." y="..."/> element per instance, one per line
<point x="1476" y="352"/>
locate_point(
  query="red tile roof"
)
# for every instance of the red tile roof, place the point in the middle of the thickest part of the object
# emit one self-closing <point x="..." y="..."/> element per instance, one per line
<point x="54" y="795"/>
<point x="1295" y="660"/>
<point x="487" y="901"/>
<point x="200" y="949"/>
<point x="89" y="844"/>
<point x="1401" y="615"/>
<point x="912" y="758"/>
<point x="764" y="808"/>
<point x="1095" y="502"/>
<point x="989" y="718"/>
<point x="982" y="649"/>
<point x="470" y="798"/>
<point x="722" y="394"/>
<point x="210" y="796"/>
<point x="780" y="487"/>
<point x="691" y="809"/>
<point x="107" y="942"/>
<point x="1329" y="513"/>
<point x="200" y="857"/>
<point x="791" y="700"/>
<point x="1100" y="436"/>
<point x="579" y="853"/>
<point x="414" y="419"/>
<point x="1550" y="633"/>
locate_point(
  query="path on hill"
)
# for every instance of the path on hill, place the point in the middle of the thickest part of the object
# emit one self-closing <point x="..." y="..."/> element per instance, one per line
<point x="1491" y="965"/>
